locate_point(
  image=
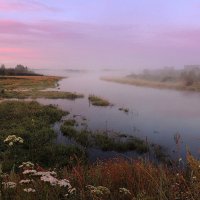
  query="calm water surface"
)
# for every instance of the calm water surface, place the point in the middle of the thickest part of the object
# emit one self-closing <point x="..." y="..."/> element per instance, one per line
<point x="158" y="114"/>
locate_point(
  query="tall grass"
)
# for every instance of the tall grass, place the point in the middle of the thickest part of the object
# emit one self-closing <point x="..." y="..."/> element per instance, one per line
<point x="116" y="179"/>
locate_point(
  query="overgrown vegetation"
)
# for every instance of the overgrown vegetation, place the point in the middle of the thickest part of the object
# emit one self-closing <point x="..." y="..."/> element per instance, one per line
<point x="32" y="122"/>
<point x="98" y="101"/>
<point x="116" y="179"/>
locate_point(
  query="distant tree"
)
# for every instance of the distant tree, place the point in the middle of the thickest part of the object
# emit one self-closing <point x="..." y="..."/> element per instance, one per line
<point x="2" y="69"/>
<point x="21" y="68"/>
<point x="189" y="77"/>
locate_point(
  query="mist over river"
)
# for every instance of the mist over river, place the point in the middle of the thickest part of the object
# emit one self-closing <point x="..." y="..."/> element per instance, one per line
<point x="159" y="115"/>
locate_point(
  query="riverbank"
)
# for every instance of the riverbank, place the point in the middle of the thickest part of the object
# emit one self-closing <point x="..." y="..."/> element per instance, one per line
<point x="153" y="84"/>
<point x="23" y="87"/>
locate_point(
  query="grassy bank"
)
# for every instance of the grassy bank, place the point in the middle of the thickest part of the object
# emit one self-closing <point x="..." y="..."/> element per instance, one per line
<point x="28" y="82"/>
<point x="40" y="94"/>
<point x="177" y="85"/>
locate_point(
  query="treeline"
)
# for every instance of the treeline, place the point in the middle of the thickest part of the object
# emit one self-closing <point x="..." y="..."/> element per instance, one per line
<point x="19" y="70"/>
<point x="189" y="75"/>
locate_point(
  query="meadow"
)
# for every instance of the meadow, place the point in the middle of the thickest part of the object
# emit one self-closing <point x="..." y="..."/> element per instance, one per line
<point x="33" y="165"/>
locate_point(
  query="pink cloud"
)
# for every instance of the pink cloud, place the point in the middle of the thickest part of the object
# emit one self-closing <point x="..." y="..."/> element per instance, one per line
<point x="11" y="5"/>
<point x="52" y="42"/>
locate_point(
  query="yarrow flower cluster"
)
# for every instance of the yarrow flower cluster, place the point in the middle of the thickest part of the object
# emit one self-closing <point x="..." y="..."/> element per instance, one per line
<point x="29" y="171"/>
<point x="124" y="191"/>
<point x="29" y="190"/>
<point x="26" y="181"/>
<point x="9" y="184"/>
<point x="48" y="177"/>
<point x="13" y="139"/>
<point x="98" y="191"/>
<point x="27" y="165"/>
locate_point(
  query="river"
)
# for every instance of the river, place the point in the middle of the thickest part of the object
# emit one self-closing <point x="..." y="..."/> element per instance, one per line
<point x="160" y="115"/>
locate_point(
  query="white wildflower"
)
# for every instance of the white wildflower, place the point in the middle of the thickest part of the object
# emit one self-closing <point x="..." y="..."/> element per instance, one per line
<point x="26" y="181"/>
<point x="13" y="139"/>
<point x="29" y="172"/>
<point x="48" y="173"/>
<point x="29" y="190"/>
<point x="9" y="184"/>
<point x="50" y="179"/>
<point x="10" y="144"/>
<point x="99" y="190"/>
<point x="124" y="191"/>
<point x="27" y="164"/>
<point x="64" y="183"/>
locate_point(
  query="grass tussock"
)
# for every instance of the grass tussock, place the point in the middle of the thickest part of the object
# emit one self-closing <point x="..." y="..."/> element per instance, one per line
<point x="98" y="101"/>
<point x="126" y="110"/>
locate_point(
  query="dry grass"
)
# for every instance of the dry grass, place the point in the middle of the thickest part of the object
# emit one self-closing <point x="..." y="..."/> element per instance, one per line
<point x="22" y="87"/>
<point x="28" y="82"/>
<point x="143" y="181"/>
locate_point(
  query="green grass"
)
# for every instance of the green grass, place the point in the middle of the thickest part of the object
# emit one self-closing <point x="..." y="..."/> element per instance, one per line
<point x="98" y="101"/>
<point x="32" y="122"/>
<point x="70" y="122"/>
<point x="107" y="143"/>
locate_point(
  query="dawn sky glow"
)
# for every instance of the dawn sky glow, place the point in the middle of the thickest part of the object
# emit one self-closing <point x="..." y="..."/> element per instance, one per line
<point x="99" y="34"/>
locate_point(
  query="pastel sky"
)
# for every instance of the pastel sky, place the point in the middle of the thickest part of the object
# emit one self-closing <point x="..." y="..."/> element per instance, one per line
<point x="100" y="33"/>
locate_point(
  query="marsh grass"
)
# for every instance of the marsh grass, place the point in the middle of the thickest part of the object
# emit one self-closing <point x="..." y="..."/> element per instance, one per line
<point x="102" y="140"/>
<point x="106" y="143"/>
<point x="33" y="123"/>
<point x="98" y="101"/>
<point x="126" y="110"/>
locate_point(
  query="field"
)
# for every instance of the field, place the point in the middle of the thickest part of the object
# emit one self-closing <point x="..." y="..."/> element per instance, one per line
<point x="34" y="166"/>
<point x="22" y="87"/>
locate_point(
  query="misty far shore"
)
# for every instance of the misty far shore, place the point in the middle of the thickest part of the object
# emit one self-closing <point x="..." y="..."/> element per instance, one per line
<point x="187" y="78"/>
